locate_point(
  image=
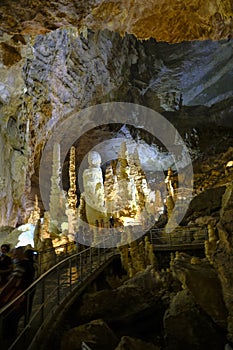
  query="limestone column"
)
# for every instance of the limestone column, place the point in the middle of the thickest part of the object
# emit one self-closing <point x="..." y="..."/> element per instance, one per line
<point x="71" y="211"/>
<point x="94" y="189"/>
<point x="35" y="213"/>
<point x="57" y="198"/>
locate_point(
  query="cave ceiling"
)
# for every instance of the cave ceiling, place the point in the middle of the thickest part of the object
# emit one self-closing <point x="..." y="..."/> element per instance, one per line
<point x="164" y="20"/>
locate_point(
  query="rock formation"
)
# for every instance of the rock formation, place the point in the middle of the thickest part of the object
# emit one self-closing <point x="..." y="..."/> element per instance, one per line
<point x="59" y="57"/>
<point x="94" y="189"/>
<point x="57" y="198"/>
<point x="71" y="210"/>
<point x="166" y="21"/>
<point x="219" y="252"/>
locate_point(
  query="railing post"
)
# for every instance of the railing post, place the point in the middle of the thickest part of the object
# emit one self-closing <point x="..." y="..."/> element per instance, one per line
<point x="39" y="264"/>
<point x="90" y="259"/>
<point x="26" y="316"/>
<point x="42" y="299"/>
<point x="58" y="285"/>
<point x="80" y="267"/>
<point x="170" y="239"/>
<point x="70" y="273"/>
<point x="151" y="238"/>
<point x="104" y="251"/>
<point x="99" y="256"/>
<point x="1" y="329"/>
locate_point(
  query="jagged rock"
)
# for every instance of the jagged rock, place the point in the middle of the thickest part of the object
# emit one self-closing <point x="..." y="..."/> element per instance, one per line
<point x="204" y="204"/>
<point x="206" y="220"/>
<point x="202" y="281"/>
<point x="187" y="20"/>
<point x="221" y="254"/>
<point x="187" y="327"/>
<point x="146" y="279"/>
<point x="4" y="232"/>
<point x="128" y="343"/>
<point x="124" y="305"/>
<point x="96" y="334"/>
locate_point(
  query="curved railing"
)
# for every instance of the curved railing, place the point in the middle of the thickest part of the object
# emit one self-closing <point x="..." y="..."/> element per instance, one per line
<point x="49" y="257"/>
<point x="51" y="289"/>
<point x="47" y="293"/>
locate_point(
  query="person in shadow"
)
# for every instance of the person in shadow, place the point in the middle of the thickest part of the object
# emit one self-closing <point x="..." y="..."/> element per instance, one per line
<point x="20" y="279"/>
<point x="6" y="265"/>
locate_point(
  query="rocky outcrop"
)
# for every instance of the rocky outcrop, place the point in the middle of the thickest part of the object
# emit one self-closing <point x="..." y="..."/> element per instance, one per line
<point x="66" y="70"/>
<point x="121" y="305"/>
<point x="128" y="343"/>
<point x="207" y="203"/>
<point x="201" y="279"/>
<point x="96" y="334"/>
<point x="220" y="253"/>
<point x="187" y="327"/>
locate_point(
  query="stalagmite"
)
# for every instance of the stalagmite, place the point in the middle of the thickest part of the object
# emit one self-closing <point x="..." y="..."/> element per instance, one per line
<point x="159" y="206"/>
<point x="169" y="183"/>
<point x="57" y="198"/>
<point x="45" y="227"/>
<point x="210" y="244"/>
<point x="35" y="213"/>
<point x="71" y="210"/>
<point x="94" y="189"/>
<point x="170" y="205"/>
<point x="111" y="191"/>
<point x="72" y="196"/>
<point x="37" y="235"/>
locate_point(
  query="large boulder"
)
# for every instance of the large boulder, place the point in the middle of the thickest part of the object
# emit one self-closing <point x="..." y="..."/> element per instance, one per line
<point x="220" y="253"/>
<point x="121" y="305"/>
<point x="204" y="204"/>
<point x="96" y="334"/>
<point x="186" y="326"/>
<point x="128" y="343"/>
<point x="201" y="279"/>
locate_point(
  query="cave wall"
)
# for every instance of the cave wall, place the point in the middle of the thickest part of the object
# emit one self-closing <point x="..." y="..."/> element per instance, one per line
<point x="63" y="70"/>
<point x="51" y="64"/>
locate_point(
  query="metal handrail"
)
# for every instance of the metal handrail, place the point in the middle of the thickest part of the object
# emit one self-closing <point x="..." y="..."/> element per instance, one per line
<point x="50" y="290"/>
<point x="85" y="346"/>
<point x="62" y="250"/>
<point x="53" y="286"/>
<point x="180" y="236"/>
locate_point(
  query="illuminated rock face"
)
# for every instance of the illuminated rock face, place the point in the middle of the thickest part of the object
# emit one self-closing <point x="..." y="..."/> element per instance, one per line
<point x="94" y="189"/>
<point x="62" y="70"/>
<point x="57" y="197"/>
<point x="124" y="194"/>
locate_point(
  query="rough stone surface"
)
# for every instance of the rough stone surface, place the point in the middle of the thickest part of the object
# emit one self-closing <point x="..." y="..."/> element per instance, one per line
<point x="187" y="327"/>
<point x="221" y="254"/>
<point x="120" y="305"/>
<point x="64" y="70"/>
<point x="205" y="204"/>
<point x="128" y="343"/>
<point x="202" y="281"/>
<point x="95" y="334"/>
<point x="165" y="20"/>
